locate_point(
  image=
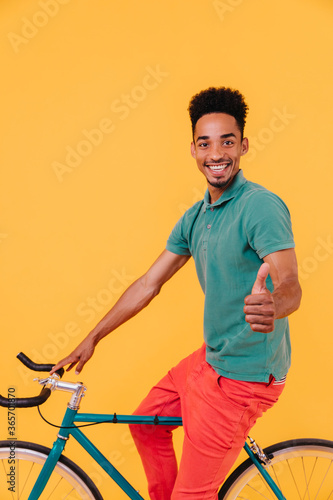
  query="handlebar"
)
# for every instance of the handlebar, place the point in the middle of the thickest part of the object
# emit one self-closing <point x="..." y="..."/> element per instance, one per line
<point x="26" y="402"/>
<point x="36" y="366"/>
<point x="35" y="400"/>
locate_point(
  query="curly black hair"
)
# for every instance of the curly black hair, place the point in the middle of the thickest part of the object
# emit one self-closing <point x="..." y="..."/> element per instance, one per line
<point x="219" y="100"/>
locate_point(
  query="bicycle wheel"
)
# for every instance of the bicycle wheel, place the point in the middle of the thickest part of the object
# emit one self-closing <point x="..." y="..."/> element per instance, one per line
<point x="302" y="469"/>
<point x="22" y="464"/>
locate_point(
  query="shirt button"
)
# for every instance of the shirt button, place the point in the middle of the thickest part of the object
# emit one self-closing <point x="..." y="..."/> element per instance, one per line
<point x="209" y="226"/>
<point x="212" y="209"/>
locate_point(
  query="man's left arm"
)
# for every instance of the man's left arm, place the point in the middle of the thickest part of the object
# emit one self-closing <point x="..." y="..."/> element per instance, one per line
<point x="262" y="307"/>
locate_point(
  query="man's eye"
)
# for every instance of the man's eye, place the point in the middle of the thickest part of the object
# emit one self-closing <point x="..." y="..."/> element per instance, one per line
<point x="203" y="144"/>
<point x="228" y="143"/>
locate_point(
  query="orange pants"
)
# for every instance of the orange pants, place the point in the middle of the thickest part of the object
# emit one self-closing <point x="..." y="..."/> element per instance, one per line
<point x="217" y="415"/>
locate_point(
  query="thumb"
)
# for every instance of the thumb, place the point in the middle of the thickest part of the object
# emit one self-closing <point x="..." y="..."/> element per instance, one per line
<point x="260" y="282"/>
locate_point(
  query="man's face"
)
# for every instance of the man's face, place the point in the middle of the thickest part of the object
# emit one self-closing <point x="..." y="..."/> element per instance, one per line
<point x="217" y="148"/>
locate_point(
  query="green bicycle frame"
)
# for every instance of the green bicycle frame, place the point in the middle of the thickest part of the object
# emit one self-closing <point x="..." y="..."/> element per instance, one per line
<point x="69" y="428"/>
<point x="264" y="473"/>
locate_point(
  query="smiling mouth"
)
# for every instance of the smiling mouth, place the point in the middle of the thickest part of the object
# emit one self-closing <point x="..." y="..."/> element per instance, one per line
<point x="218" y="168"/>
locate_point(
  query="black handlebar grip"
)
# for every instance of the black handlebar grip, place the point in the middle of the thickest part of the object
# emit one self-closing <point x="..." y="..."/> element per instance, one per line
<point x="5" y="401"/>
<point x="26" y="402"/>
<point x="36" y="366"/>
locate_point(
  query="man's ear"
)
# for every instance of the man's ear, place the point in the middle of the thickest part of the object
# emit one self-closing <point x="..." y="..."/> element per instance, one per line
<point x="245" y="146"/>
<point x="193" y="153"/>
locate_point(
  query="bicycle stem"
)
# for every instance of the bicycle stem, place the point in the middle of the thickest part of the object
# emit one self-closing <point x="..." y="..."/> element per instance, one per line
<point x="77" y="389"/>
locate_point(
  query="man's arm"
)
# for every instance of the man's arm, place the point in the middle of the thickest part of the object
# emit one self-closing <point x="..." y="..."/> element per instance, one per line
<point x="134" y="299"/>
<point x="262" y="307"/>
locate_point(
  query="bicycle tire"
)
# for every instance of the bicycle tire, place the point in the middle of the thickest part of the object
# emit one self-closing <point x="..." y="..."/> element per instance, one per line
<point x="67" y="480"/>
<point x="302" y="469"/>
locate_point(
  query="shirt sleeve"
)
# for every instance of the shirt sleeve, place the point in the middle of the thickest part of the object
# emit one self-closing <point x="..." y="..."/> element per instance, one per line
<point x="177" y="242"/>
<point x="268" y="224"/>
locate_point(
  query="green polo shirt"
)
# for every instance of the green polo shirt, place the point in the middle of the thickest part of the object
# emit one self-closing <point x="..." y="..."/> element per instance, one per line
<point x="228" y="241"/>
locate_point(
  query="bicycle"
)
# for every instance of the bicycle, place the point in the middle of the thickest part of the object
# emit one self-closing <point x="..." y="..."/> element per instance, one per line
<point x="300" y="468"/>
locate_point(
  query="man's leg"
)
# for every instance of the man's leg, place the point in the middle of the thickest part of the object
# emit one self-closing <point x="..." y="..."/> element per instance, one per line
<point x="217" y="414"/>
<point x="154" y="442"/>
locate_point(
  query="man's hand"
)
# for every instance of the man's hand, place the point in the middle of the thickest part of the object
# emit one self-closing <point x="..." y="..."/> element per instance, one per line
<point x="79" y="356"/>
<point x="137" y="296"/>
<point x="259" y="306"/>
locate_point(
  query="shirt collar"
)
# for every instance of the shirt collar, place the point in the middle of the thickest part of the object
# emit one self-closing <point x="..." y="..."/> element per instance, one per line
<point x="229" y="193"/>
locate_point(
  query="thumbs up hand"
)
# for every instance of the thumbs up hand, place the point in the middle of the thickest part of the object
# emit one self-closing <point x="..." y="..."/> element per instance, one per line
<point x="259" y="306"/>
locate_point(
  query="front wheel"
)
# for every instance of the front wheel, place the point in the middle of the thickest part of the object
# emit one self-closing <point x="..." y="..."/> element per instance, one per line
<point x="301" y="468"/>
<point x="20" y="464"/>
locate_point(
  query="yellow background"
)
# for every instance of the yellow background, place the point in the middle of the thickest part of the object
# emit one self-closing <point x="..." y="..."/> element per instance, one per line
<point x="76" y="238"/>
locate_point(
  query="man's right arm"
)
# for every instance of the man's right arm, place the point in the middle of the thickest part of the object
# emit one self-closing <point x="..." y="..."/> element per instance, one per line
<point x="134" y="299"/>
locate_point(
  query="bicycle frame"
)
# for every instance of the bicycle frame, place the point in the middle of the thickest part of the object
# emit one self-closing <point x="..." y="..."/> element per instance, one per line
<point x="264" y="473"/>
<point x="69" y="428"/>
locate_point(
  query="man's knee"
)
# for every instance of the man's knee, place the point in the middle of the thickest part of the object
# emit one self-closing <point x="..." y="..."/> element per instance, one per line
<point x="142" y="433"/>
<point x="136" y="432"/>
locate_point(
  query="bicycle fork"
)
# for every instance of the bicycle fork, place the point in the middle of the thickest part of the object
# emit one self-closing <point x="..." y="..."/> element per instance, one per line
<point x="258" y="457"/>
<point x="69" y="428"/>
<point x="52" y="459"/>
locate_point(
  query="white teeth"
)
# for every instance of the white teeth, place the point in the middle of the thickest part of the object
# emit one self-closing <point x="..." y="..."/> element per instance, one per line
<point x="217" y="167"/>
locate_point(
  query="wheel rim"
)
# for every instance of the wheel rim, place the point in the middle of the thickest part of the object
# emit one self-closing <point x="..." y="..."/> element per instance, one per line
<point x="302" y="473"/>
<point x="64" y="484"/>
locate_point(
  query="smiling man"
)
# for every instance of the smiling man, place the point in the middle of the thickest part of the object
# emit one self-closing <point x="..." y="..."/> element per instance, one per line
<point x="218" y="154"/>
<point x="241" y="239"/>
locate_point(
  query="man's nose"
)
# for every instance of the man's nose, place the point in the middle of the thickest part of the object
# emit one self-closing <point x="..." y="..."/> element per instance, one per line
<point x="216" y="152"/>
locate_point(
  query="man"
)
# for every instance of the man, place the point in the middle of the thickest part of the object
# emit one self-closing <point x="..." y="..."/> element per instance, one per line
<point x="241" y="240"/>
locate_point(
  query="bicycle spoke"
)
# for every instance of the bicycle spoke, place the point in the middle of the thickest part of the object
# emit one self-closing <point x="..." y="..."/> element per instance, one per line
<point x="302" y="469"/>
<point x="18" y="479"/>
<point x="320" y="487"/>
<point x="311" y="475"/>
<point x="307" y="484"/>
<point x="292" y="475"/>
<point x="68" y="494"/>
<point x="55" y="487"/>
<point x="66" y="482"/>
<point x="255" y="490"/>
<point x="5" y="472"/>
<point x="26" y="479"/>
<point x="276" y="477"/>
